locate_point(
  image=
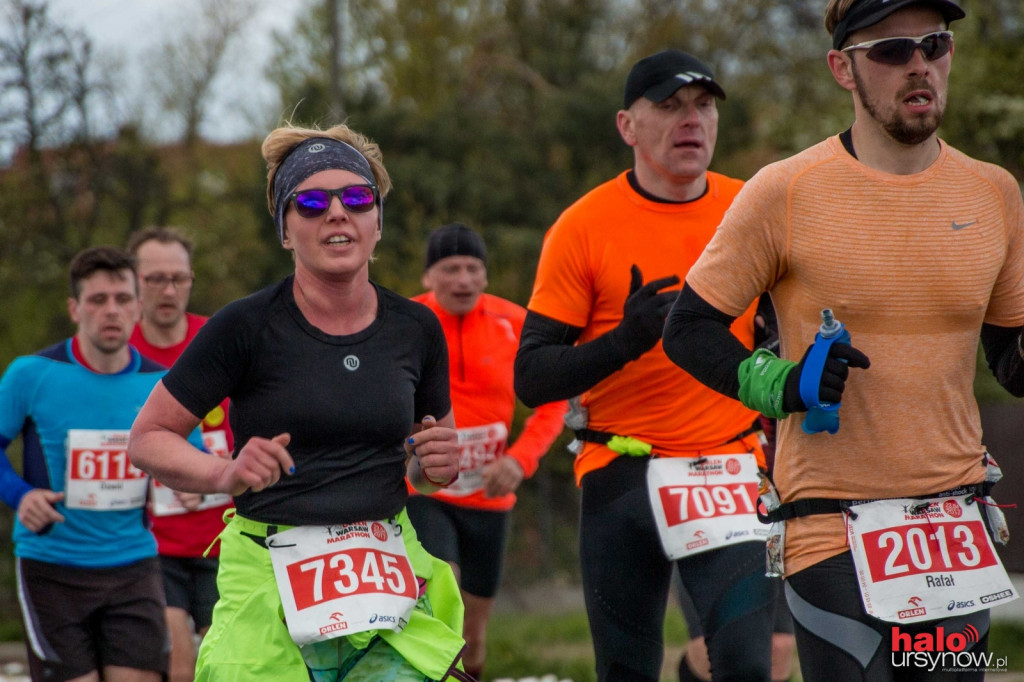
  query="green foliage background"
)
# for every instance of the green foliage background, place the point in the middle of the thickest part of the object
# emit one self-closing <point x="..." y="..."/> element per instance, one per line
<point x="497" y="113"/>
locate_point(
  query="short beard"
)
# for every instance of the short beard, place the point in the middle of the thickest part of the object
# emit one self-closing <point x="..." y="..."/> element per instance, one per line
<point x="904" y="132"/>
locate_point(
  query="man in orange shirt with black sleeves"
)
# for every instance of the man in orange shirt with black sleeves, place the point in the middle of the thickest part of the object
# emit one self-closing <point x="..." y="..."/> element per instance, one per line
<point x="657" y="447"/>
<point x="465" y="523"/>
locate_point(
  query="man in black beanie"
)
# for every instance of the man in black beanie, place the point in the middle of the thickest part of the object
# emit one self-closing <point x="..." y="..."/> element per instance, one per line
<point x="465" y="524"/>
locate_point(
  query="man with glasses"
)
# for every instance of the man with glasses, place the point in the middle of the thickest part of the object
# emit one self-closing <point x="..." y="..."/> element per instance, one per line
<point x="185" y="524"/>
<point x="609" y="270"/>
<point x="918" y="250"/>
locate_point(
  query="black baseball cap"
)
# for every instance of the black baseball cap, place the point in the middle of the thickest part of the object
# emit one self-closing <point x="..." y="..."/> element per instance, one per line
<point x="866" y="13"/>
<point x="658" y="76"/>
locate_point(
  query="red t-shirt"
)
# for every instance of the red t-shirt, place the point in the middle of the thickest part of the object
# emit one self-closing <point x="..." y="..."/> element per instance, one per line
<point x="191" y="533"/>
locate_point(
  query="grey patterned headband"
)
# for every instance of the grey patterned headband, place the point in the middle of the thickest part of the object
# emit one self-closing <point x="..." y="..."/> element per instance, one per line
<point x="308" y="158"/>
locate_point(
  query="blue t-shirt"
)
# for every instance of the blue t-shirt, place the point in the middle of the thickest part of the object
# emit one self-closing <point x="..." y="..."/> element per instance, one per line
<point x="43" y="396"/>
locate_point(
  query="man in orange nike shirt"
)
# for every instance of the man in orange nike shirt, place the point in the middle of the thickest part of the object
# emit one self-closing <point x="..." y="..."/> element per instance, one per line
<point x="918" y="250"/>
<point x="465" y="523"/>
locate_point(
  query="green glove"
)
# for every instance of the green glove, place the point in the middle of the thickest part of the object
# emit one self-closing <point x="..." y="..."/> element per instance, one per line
<point x="763" y="382"/>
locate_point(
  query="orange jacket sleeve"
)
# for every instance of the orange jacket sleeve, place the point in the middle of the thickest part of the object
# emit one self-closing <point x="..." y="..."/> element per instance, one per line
<point x="539" y="432"/>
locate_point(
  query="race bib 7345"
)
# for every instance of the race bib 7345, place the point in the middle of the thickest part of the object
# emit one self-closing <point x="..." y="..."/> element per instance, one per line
<point x="342" y="579"/>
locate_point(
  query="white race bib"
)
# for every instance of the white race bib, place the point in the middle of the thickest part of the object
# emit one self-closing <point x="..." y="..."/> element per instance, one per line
<point x="166" y="503"/>
<point x="925" y="559"/>
<point x="216" y="441"/>
<point x="338" y="580"/>
<point x="478" y="447"/>
<point x="99" y="475"/>
<point x="704" y="503"/>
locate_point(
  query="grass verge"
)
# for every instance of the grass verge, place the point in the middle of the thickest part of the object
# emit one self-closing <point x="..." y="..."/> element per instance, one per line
<point x="524" y="645"/>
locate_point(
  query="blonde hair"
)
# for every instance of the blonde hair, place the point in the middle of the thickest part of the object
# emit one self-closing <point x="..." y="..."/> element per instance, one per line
<point x="282" y="140"/>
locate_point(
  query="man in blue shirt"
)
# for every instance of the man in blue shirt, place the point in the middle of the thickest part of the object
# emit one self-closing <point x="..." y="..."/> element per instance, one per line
<point x="88" y="578"/>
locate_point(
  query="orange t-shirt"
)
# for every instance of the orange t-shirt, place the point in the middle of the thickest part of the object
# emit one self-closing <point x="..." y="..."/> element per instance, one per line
<point x="583" y="281"/>
<point x="482" y="348"/>
<point x="912" y="265"/>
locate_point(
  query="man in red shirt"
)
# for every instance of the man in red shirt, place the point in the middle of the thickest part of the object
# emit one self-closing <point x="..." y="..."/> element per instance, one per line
<point x="465" y="523"/>
<point x="185" y="524"/>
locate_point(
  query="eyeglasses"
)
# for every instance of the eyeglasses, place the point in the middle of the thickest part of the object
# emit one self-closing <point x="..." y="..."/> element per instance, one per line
<point x="311" y="203"/>
<point x="899" y="51"/>
<point x="160" y="281"/>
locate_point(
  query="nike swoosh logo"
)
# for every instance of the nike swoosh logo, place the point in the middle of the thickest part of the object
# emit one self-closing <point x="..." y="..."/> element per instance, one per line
<point x="960" y="226"/>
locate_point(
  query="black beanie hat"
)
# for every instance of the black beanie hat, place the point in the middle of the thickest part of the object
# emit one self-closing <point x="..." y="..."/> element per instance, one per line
<point x="454" y="239"/>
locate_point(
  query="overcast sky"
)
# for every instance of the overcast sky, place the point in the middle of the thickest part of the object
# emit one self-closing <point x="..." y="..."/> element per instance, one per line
<point x="127" y="28"/>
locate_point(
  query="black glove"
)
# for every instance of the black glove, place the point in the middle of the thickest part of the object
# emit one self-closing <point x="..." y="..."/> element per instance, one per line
<point x="841" y="357"/>
<point x="643" y="315"/>
<point x="766" y="325"/>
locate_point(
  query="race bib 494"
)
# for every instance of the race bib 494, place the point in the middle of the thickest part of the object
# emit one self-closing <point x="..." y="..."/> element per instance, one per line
<point x="478" y="447"/>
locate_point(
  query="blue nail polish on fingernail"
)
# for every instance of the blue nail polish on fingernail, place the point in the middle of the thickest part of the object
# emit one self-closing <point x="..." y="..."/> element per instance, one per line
<point x="411" y="440"/>
<point x="291" y="470"/>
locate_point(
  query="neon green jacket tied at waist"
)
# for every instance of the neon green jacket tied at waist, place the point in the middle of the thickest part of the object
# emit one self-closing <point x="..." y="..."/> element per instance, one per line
<point x="249" y="640"/>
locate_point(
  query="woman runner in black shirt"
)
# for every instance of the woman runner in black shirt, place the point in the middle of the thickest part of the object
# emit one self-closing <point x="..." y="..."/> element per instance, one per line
<point x="339" y="388"/>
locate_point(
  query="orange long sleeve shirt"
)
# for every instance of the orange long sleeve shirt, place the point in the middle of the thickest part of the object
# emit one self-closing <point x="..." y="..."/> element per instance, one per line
<point x="482" y="348"/>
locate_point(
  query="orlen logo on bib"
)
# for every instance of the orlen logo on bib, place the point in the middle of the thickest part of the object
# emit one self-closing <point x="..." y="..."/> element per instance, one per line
<point x="952" y="507"/>
<point x="700" y="540"/>
<point x="915" y="610"/>
<point x="732" y="466"/>
<point x="379" y="531"/>
<point x="337" y="625"/>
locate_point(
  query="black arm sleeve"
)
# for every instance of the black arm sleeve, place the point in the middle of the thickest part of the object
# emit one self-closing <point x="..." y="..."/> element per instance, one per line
<point x="1002" y="351"/>
<point x="698" y="339"/>
<point x="549" y="367"/>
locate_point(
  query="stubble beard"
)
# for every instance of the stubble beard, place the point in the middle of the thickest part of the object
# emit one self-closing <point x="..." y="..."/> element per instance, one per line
<point x="902" y="130"/>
